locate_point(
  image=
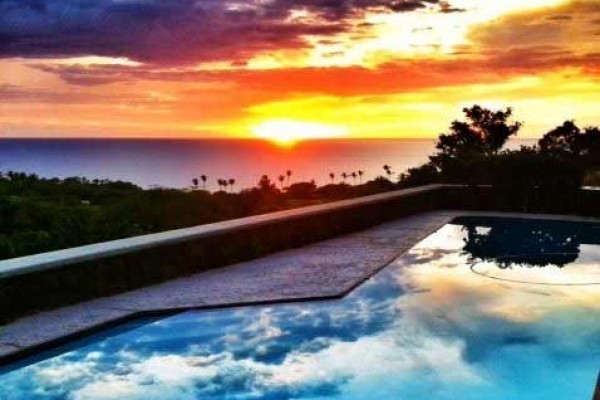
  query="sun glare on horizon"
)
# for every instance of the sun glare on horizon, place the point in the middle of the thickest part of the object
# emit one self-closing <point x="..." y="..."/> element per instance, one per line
<point x="286" y="132"/>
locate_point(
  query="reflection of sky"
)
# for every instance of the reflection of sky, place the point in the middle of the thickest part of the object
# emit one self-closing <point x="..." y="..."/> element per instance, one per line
<point x="425" y="327"/>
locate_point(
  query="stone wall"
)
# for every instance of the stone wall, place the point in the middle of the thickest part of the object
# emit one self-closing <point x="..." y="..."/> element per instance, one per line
<point x="49" y="280"/>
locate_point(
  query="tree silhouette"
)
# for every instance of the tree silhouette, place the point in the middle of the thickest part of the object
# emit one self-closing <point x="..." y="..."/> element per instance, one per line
<point x="533" y="243"/>
<point x="568" y="140"/>
<point x="281" y="180"/>
<point x="591" y="144"/>
<point x="332" y="177"/>
<point x="231" y="183"/>
<point x="354" y="175"/>
<point x="564" y="139"/>
<point x="388" y="171"/>
<point x="203" y="178"/>
<point x="360" y="175"/>
<point x="483" y="133"/>
<point x="344" y="176"/>
<point x="195" y="183"/>
<point x="288" y="173"/>
<point x="265" y="184"/>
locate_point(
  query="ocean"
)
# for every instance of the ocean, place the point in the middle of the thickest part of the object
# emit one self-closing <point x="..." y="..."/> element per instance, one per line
<point x="173" y="163"/>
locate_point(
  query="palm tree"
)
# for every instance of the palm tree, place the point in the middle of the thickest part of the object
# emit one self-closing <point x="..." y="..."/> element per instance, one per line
<point x="289" y="174"/>
<point x="344" y="176"/>
<point x="231" y="183"/>
<point x="388" y="170"/>
<point x="195" y="182"/>
<point x="360" y="175"/>
<point x="353" y="174"/>
<point x="332" y="176"/>
<point x="204" y="178"/>
<point x="281" y="179"/>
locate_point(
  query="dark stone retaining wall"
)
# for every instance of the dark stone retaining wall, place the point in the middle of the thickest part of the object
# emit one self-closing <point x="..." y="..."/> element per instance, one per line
<point x="70" y="276"/>
<point x="76" y="281"/>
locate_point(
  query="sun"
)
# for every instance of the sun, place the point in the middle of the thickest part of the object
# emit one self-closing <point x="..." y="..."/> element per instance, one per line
<point x="287" y="132"/>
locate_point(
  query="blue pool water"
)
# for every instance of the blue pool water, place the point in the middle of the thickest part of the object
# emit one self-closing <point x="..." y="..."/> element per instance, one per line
<point x="483" y="309"/>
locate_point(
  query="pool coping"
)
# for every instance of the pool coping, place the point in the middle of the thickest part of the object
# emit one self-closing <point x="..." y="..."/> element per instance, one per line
<point x="38" y="335"/>
<point x="67" y="257"/>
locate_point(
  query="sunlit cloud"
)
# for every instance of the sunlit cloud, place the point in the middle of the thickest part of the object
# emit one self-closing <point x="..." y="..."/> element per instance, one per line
<point x="215" y="69"/>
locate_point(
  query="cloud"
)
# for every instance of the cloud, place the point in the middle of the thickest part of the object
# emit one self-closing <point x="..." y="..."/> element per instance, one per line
<point x="409" y="5"/>
<point x="13" y="94"/>
<point x="175" y="31"/>
<point x="568" y="27"/>
<point x="447" y="8"/>
<point x="533" y="42"/>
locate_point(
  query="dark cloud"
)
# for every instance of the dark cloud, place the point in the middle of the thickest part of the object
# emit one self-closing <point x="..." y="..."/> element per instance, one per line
<point x="467" y="67"/>
<point x="567" y="26"/>
<point x="266" y="84"/>
<point x="17" y="94"/>
<point x="11" y="94"/>
<point x="174" y="31"/>
<point x="447" y="8"/>
<point x="410" y="5"/>
<point x="538" y="41"/>
<point x="560" y="17"/>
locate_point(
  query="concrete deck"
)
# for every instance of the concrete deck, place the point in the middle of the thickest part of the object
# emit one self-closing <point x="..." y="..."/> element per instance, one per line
<point x="324" y="270"/>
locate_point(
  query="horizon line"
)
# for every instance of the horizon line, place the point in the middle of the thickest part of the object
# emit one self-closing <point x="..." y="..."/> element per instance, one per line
<point x="229" y="138"/>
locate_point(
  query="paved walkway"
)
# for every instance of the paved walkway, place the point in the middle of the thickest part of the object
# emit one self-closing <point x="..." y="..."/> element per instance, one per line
<point x="326" y="269"/>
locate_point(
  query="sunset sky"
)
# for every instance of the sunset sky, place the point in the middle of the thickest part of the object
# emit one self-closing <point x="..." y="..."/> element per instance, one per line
<point x="279" y="68"/>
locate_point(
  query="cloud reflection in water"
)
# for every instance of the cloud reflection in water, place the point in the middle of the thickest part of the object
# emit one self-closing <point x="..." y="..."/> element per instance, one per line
<point x="425" y="327"/>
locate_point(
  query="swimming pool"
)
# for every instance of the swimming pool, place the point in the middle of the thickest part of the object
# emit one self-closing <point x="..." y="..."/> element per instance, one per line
<point x="484" y="308"/>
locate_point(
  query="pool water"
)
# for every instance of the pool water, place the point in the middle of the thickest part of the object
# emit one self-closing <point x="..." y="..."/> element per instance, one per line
<point x="485" y="308"/>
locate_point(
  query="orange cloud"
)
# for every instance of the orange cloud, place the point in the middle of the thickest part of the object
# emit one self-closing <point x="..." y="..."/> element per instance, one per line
<point x="409" y="80"/>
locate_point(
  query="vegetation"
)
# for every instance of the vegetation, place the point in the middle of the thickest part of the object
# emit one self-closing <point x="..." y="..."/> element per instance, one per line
<point x="38" y="214"/>
<point x="472" y="152"/>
